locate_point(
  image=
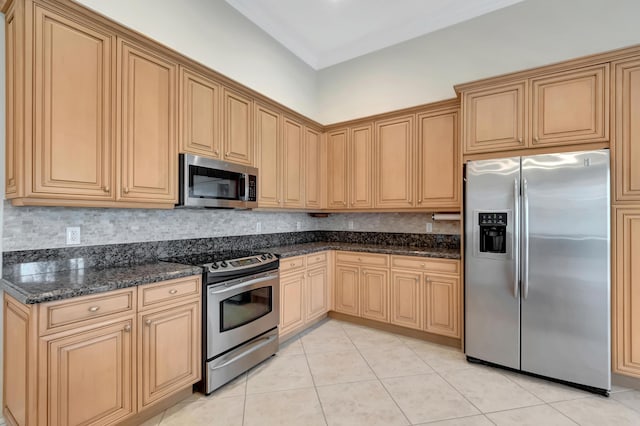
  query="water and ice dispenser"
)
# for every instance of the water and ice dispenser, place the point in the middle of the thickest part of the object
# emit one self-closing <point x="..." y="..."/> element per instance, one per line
<point x="493" y="233"/>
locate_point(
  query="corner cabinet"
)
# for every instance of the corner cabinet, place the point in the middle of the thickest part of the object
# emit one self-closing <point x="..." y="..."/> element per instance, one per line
<point x="146" y="106"/>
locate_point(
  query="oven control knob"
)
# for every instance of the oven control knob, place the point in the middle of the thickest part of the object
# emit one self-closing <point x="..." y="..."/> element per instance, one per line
<point x="223" y="264"/>
<point x="214" y="266"/>
<point x="263" y="257"/>
<point x="269" y="255"/>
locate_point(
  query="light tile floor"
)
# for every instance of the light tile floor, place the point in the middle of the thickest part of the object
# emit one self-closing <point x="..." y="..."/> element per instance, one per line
<point x="342" y="374"/>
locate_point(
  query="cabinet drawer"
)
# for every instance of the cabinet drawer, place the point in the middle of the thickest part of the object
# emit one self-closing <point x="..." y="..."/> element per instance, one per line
<point x="362" y="258"/>
<point x="64" y="314"/>
<point x="168" y="291"/>
<point x="316" y="258"/>
<point x="292" y="264"/>
<point x="443" y="266"/>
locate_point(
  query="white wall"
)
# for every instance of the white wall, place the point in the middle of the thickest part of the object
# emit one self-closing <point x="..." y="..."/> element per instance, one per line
<point x="216" y="35"/>
<point x="423" y="70"/>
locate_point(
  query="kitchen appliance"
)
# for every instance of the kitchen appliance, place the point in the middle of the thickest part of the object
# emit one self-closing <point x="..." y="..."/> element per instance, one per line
<point x="240" y="312"/>
<point x="537" y="266"/>
<point x="205" y="182"/>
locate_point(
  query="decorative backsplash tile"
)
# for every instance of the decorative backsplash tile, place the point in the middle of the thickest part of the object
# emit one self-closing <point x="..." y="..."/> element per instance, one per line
<point x="28" y="228"/>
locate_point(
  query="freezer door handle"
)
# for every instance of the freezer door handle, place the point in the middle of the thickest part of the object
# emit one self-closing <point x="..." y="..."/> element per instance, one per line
<point x="516" y="237"/>
<point x="525" y="240"/>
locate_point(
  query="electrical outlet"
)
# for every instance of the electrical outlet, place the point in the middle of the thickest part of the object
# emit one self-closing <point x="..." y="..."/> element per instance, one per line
<point x="429" y="227"/>
<point x="73" y="235"/>
<point x="350" y="224"/>
<point x="298" y="226"/>
<point x="258" y="226"/>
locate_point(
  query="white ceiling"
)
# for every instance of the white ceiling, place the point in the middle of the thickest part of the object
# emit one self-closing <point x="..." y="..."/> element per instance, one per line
<point x="326" y="32"/>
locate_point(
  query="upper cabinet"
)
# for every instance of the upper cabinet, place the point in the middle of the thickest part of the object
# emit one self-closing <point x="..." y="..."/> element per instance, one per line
<point x="627" y="130"/>
<point x="237" y="113"/>
<point x="438" y="160"/>
<point x="292" y="163"/>
<point x="570" y="107"/>
<point x="199" y="116"/>
<point x="495" y="118"/>
<point x="146" y="107"/>
<point x="337" y="169"/>
<point x="314" y="173"/>
<point x="360" y="167"/>
<point x="554" y="109"/>
<point x="394" y="163"/>
<point x="268" y="154"/>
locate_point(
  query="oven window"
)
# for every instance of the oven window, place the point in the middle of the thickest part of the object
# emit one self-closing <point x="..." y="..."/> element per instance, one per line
<point x="245" y="307"/>
<point x="212" y="183"/>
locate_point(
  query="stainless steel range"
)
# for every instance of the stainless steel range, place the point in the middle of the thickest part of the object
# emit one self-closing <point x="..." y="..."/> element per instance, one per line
<point x="240" y="312"/>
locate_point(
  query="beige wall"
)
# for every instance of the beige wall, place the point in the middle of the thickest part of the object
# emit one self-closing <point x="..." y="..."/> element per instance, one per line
<point x="422" y="70"/>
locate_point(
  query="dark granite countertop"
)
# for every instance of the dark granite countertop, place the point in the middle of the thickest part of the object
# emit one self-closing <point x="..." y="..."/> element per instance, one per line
<point x="307" y="248"/>
<point x="39" y="282"/>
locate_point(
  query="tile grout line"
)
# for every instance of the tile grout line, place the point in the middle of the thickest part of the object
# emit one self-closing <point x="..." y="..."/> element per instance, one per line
<point x="244" y="403"/>
<point x="313" y="380"/>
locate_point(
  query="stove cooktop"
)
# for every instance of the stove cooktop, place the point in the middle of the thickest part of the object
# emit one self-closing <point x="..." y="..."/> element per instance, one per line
<point x="229" y="263"/>
<point x="201" y="259"/>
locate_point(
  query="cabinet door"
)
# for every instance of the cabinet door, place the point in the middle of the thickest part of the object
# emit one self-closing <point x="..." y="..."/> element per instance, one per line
<point x="347" y="294"/>
<point x="395" y="159"/>
<point x="313" y="169"/>
<point x="168" y="351"/>
<point x="15" y="99"/>
<point x="442" y="305"/>
<point x="199" y="123"/>
<point x="90" y="375"/>
<point x="626" y="293"/>
<point x="406" y="299"/>
<point x="267" y="123"/>
<point x="439" y="161"/>
<point x="148" y="151"/>
<point x="292" y="304"/>
<point x="238" y="146"/>
<point x="73" y="109"/>
<point x="317" y="292"/>
<point x="495" y="119"/>
<point x="361" y="165"/>
<point x="374" y="290"/>
<point x="293" y="164"/>
<point x="337" y="173"/>
<point x="627" y="130"/>
<point x="571" y="107"/>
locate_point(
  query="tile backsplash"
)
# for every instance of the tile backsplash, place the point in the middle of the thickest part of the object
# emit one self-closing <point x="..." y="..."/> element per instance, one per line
<point x="28" y="228"/>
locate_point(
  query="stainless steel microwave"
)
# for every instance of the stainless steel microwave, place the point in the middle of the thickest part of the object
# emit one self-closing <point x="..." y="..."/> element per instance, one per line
<point x="205" y="182"/>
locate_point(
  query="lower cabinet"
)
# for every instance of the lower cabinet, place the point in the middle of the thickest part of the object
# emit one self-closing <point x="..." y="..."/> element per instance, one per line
<point x="347" y="294"/>
<point x="100" y="359"/>
<point x="406" y="299"/>
<point x="374" y="289"/>
<point x="441" y="305"/>
<point x="304" y="291"/>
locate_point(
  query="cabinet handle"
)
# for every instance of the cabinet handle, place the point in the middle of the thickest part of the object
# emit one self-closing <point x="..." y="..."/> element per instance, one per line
<point x="94" y="309"/>
<point x="148" y="322"/>
<point x="106" y="188"/>
<point x="125" y="190"/>
<point x="173" y="291"/>
<point x="127" y="328"/>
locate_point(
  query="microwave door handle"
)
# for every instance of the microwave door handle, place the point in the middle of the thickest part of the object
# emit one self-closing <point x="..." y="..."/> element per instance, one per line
<point x="516" y="238"/>
<point x="247" y="284"/>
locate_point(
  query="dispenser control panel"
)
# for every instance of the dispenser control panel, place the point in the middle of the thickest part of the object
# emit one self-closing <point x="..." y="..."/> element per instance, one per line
<point x="492" y="219"/>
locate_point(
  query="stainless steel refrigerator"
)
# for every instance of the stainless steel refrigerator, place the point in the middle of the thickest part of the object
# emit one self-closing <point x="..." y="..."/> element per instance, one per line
<point x="537" y="266"/>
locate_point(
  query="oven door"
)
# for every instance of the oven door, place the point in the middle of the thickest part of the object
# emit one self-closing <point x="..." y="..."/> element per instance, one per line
<point x="239" y="310"/>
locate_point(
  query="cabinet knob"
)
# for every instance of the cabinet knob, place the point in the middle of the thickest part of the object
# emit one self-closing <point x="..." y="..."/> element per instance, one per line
<point x="519" y="140"/>
<point x="94" y="309"/>
<point x="216" y="152"/>
<point x="419" y="201"/>
<point x="148" y="322"/>
<point x="422" y="264"/>
<point x="125" y="190"/>
<point x="127" y="328"/>
<point x="106" y="188"/>
<point x="537" y="139"/>
<point x="292" y="264"/>
<point x="227" y="154"/>
<point x="173" y="291"/>
<point x="428" y="280"/>
<point x="344" y="203"/>
<point x="279" y="201"/>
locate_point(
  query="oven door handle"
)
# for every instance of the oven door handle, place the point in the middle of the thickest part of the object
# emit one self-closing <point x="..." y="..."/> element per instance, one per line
<point x="248" y="284"/>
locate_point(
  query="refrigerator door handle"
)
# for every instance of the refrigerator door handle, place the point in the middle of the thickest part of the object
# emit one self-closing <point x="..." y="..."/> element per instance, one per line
<point x="516" y="237"/>
<point x="525" y="240"/>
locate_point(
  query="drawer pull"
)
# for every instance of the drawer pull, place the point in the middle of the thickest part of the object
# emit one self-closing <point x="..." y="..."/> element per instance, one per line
<point x="127" y="328"/>
<point x="292" y="264"/>
<point x="148" y="322"/>
<point x="173" y="291"/>
<point x="94" y="309"/>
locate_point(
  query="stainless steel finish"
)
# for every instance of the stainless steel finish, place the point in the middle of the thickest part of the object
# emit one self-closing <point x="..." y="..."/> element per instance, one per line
<point x="566" y="316"/>
<point x="492" y="313"/>
<point x="190" y="159"/>
<point x="516" y="236"/>
<point x="218" y="342"/>
<point x="228" y="366"/>
<point x="525" y="239"/>
<point x="226" y="269"/>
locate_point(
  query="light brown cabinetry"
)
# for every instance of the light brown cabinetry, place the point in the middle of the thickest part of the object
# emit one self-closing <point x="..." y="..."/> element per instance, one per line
<point x="269" y="156"/>
<point x="314" y="173"/>
<point x="347" y="289"/>
<point x="627" y="130"/>
<point x="438" y="160"/>
<point x="147" y="134"/>
<point x="406" y="299"/>
<point x="374" y="290"/>
<point x="395" y="163"/>
<point x="293" y="161"/>
<point x="101" y="359"/>
<point x="442" y="305"/>
<point x="361" y="167"/>
<point x="338" y="169"/>
<point x="237" y="127"/>
<point x="304" y="291"/>
<point x="199" y="115"/>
